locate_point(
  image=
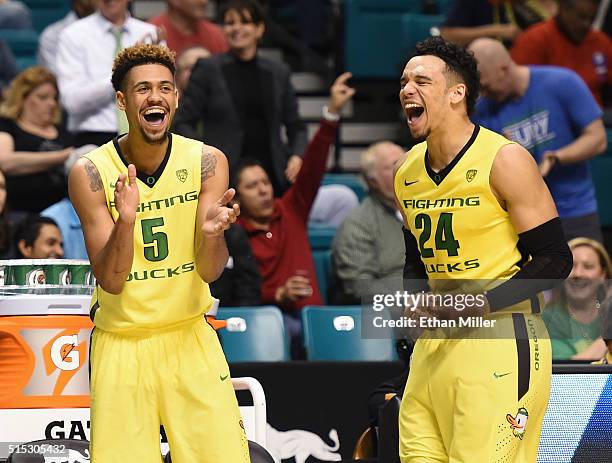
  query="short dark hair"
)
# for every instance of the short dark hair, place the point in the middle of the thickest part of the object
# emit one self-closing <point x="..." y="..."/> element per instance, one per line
<point x="138" y="55"/>
<point x="240" y="167"/>
<point x="459" y="62"/>
<point x="29" y="229"/>
<point x="252" y="7"/>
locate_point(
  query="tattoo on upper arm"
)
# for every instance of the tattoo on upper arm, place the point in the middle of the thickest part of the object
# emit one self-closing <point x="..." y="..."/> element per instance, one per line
<point x="95" y="181"/>
<point x="209" y="163"/>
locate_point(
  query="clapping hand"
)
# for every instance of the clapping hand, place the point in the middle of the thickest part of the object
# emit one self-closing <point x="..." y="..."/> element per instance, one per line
<point x="219" y="217"/>
<point x="127" y="196"/>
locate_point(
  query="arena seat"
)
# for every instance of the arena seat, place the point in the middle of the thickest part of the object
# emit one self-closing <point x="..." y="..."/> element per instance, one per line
<point x="23" y="42"/>
<point x="600" y="169"/>
<point x="42" y="17"/>
<point x="75" y="450"/>
<point x="320" y="238"/>
<point x="253" y="334"/>
<point x="334" y="333"/>
<point x="372" y="35"/>
<point x="350" y="180"/>
<point x="416" y="27"/>
<point x="322" y="261"/>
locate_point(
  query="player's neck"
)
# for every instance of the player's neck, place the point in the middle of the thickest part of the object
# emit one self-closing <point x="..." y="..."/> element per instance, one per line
<point x="145" y="156"/>
<point x="186" y="24"/>
<point x="447" y="141"/>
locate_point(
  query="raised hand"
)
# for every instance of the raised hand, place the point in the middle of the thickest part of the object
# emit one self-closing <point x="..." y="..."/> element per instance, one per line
<point x="340" y="93"/>
<point x="219" y="217"/>
<point x="127" y="196"/>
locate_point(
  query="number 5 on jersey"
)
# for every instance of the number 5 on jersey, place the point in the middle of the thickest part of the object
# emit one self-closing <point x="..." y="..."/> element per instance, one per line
<point x="156" y="242"/>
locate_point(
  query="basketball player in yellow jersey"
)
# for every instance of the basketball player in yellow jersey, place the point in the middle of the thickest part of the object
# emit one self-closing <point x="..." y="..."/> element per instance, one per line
<point x="153" y="210"/>
<point x="475" y="207"/>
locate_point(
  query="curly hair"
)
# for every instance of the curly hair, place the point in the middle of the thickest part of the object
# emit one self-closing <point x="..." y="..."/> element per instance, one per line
<point x="21" y="86"/>
<point x="138" y="55"/>
<point x="459" y="62"/>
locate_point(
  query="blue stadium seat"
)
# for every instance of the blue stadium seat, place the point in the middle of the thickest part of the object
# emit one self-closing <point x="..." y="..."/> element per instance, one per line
<point x="23" y="42"/>
<point x="322" y="261"/>
<point x="321" y="238"/>
<point x="42" y="17"/>
<point x="373" y="36"/>
<point x="334" y="333"/>
<point x="352" y="181"/>
<point x="601" y="167"/>
<point x="253" y="334"/>
<point x="24" y="62"/>
<point x="416" y="27"/>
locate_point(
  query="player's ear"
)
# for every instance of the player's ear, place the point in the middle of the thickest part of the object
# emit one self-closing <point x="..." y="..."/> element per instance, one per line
<point x="458" y="93"/>
<point x="176" y="97"/>
<point x="120" y="96"/>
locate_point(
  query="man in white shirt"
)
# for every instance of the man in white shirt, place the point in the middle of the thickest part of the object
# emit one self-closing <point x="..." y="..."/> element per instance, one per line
<point x="47" y="43"/>
<point x="84" y="65"/>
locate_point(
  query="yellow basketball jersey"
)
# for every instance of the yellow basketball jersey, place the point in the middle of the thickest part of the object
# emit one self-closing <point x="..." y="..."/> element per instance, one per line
<point x="163" y="288"/>
<point x="460" y="227"/>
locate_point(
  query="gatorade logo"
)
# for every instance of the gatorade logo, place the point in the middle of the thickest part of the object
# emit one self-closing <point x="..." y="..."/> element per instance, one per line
<point x="64" y="353"/>
<point x="35" y="277"/>
<point x="64" y="278"/>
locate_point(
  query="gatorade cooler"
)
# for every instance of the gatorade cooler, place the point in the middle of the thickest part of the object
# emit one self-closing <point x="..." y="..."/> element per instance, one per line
<point x="44" y="351"/>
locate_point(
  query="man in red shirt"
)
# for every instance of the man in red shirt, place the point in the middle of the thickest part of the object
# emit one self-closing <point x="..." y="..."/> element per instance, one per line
<point x="277" y="228"/>
<point x="186" y="26"/>
<point x="568" y="40"/>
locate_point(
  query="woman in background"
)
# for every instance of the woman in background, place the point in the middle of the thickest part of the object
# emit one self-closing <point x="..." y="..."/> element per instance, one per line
<point x="573" y="318"/>
<point x="33" y="147"/>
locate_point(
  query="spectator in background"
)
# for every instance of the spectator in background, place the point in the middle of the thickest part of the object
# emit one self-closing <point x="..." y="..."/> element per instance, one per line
<point x="368" y="247"/>
<point x="8" y="66"/>
<point x="569" y="41"/>
<point x="243" y="101"/>
<point x="7" y="250"/>
<point x="277" y="228"/>
<point x="14" y="15"/>
<point x="84" y="65"/>
<point x="550" y="112"/>
<point x="504" y="19"/>
<point x="572" y="318"/>
<point x="33" y="147"/>
<point x="69" y="224"/>
<point x="48" y="41"/>
<point x="186" y="26"/>
<point x="240" y="282"/>
<point x="185" y="63"/>
<point x="38" y="238"/>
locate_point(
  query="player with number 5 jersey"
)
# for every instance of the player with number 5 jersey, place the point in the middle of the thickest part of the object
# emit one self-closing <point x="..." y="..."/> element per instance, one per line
<point x="154" y="207"/>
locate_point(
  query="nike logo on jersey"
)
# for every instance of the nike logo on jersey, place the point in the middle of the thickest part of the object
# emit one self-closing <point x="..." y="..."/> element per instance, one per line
<point x="223" y="378"/>
<point x="406" y="183"/>
<point x="496" y="376"/>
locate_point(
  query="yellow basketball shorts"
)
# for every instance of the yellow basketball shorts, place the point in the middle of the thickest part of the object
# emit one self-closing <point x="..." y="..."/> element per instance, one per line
<point x="476" y="400"/>
<point x="178" y="379"/>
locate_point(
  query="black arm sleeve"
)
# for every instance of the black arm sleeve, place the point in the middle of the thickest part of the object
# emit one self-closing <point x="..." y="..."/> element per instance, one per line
<point x="551" y="261"/>
<point x="415" y="276"/>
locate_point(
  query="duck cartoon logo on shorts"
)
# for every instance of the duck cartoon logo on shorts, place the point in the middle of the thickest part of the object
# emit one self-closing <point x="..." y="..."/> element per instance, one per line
<point x="518" y="423"/>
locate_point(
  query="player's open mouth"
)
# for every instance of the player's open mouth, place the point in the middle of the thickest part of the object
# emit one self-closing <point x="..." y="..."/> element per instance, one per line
<point x="414" y="112"/>
<point x="154" y="116"/>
